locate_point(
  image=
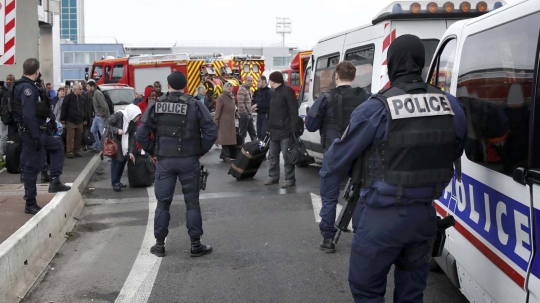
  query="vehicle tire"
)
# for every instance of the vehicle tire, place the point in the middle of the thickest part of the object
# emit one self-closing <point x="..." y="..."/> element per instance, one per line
<point x="434" y="266"/>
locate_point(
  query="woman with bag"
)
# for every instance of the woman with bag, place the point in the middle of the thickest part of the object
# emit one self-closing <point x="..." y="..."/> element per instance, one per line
<point x="120" y="136"/>
<point x="224" y="118"/>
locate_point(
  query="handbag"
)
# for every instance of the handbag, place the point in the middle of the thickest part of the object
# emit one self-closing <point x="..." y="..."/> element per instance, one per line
<point x="296" y="153"/>
<point x="110" y="148"/>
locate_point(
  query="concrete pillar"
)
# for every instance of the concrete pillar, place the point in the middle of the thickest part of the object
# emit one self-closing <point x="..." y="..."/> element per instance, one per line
<point x="46" y="53"/>
<point x="26" y="38"/>
<point x="57" y="56"/>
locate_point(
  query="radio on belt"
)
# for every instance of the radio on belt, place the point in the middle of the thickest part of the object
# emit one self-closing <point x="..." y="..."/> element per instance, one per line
<point x="420" y="105"/>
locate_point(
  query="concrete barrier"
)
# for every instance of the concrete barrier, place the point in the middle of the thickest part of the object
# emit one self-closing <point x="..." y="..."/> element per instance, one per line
<point x="25" y="254"/>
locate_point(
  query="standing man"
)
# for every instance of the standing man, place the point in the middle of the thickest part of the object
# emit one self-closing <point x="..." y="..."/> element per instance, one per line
<point x="331" y="112"/>
<point x="4" y="129"/>
<point x="245" y="122"/>
<point x="30" y="112"/>
<point x="330" y="115"/>
<point x="184" y="131"/>
<point x="261" y="104"/>
<point x="157" y="89"/>
<point x="282" y="123"/>
<point x="50" y="90"/>
<point x="75" y="113"/>
<point x="404" y="167"/>
<point x="101" y="110"/>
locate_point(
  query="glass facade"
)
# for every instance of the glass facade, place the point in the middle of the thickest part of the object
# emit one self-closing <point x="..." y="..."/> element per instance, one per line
<point x="68" y="20"/>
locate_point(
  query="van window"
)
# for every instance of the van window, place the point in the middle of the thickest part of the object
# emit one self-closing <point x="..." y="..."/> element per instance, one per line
<point x="495" y="86"/>
<point x="362" y="58"/>
<point x="246" y="68"/>
<point x="118" y="72"/>
<point x="304" y="92"/>
<point x="295" y="78"/>
<point x="107" y="74"/>
<point x="430" y="47"/>
<point x="324" y="74"/>
<point x="98" y="70"/>
<point x="441" y="76"/>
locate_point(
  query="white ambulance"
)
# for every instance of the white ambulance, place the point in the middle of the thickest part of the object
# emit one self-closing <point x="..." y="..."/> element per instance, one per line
<point x="367" y="46"/>
<point x="491" y="64"/>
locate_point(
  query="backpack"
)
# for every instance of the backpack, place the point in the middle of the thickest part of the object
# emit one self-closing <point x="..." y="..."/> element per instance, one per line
<point x="6" y="107"/>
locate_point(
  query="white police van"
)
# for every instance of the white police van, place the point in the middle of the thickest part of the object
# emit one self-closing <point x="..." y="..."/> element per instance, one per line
<point x="367" y="46"/>
<point x="491" y="64"/>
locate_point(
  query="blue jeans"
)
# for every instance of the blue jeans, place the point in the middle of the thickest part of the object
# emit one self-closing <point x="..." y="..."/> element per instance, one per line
<point x="117" y="170"/>
<point x="97" y="128"/>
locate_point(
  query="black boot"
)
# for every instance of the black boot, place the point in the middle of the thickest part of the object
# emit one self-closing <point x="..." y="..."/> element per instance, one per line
<point x="198" y="249"/>
<point x="328" y="246"/>
<point x="31" y="207"/>
<point x="57" y="186"/>
<point x="159" y="248"/>
<point x="45" y="177"/>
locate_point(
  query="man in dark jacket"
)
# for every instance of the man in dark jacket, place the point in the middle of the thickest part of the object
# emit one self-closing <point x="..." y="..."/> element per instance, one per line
<point x="261" y="104"/>
<point x="282" y="126"/>
<point x="74" y="115"/>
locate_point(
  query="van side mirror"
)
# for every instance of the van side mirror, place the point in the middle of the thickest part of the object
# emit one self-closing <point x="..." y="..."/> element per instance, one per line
<point x="86" y="76"/>
<point x="519" y="176"/>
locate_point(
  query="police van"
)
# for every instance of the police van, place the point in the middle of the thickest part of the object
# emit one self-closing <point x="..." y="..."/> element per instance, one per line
<point x="491" y="64"/>
<point x="366" y="47"/>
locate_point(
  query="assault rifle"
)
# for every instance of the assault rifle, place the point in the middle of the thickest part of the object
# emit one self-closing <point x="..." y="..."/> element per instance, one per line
<point x="203" y="178"/>
<point x="351" y="196"/>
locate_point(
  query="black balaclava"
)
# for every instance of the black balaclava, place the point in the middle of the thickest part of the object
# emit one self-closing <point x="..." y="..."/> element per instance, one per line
<point x="406" y="56"/>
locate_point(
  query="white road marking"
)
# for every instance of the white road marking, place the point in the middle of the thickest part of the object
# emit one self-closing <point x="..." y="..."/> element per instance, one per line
<point x="316" y="201"/>
<point x="139" y="283"/>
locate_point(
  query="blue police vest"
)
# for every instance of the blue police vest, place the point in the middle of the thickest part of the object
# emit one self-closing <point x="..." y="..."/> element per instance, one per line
<point x="176" y="126"/>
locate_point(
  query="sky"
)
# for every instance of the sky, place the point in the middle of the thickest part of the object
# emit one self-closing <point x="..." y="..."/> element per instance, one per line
<point x="182" y="21"/>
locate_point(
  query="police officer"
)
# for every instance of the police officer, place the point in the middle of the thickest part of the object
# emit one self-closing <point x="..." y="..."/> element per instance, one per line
<point x="184" y="131"/>
<point x="330" y="114"/>
<point x="407" y="137"/>
<point x="30" y="112"/>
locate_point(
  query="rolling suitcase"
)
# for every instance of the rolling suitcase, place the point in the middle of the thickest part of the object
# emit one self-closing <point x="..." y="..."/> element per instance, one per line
<point x="252" y="155"/>
<point x="13" y="154"/>
<point x="142" y="172"/>
<point x="235" y="149"/>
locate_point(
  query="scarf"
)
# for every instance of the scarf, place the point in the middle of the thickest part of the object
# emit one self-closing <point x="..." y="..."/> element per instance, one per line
<point x="129" y="113"/>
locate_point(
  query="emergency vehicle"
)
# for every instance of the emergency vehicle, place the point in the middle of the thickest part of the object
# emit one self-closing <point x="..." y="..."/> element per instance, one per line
<point x="491" y="64"/>
<point x="139" y="71"/>
<point x="294" y="75"/>
<point x="200" y="69"/>
<point x="366" y="47"/>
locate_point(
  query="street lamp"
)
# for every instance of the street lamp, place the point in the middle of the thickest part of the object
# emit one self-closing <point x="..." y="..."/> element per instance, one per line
<point x="283" y="27"/>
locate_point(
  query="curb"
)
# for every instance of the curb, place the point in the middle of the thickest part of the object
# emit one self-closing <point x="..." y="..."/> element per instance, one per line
<point x="26" y="253"/>
<point x="2" y="170"/>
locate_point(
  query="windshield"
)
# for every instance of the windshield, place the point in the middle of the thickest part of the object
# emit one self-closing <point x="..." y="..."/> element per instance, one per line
<point x="97" y="72"/>
<point x="121" y="96"/>
<point x="431" y="47"/>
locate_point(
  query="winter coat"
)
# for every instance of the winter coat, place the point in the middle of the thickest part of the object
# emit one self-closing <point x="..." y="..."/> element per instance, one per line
<point x="283" y="117"/>
<point x="74" y="110"/>
<point x="101" y="109"/>
<point x="224" y="118"/>
<point x="112" y="125"/>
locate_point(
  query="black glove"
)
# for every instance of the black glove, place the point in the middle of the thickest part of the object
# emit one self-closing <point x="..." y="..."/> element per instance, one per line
<point x="37" y="141"/>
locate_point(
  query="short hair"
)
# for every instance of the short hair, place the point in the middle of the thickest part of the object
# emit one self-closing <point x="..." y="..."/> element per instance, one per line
<point x="10" y="75"/>
<point x="157" y="82"/>
<point x="92" y="83"/>
<point x="263" y="78"/>
<point x="61" y="89"/>
<point x="48" y="83"/>
<point x="346" y="71"/>
<point x="201" y="87"/>
<point x="30" y="66"/>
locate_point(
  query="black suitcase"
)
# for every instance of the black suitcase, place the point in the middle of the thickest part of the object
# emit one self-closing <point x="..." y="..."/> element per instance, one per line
<point x="234" y="150"/>
<point x="13" y="154"/>
<point x="142" y="172"/>
<point x="246" y="165"/>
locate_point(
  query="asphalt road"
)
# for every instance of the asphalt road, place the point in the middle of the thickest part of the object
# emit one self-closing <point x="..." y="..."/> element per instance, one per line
<point x="265" y="243"/>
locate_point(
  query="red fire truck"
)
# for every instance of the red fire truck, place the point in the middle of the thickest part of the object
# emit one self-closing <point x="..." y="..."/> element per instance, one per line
<point x="294" y="76"/>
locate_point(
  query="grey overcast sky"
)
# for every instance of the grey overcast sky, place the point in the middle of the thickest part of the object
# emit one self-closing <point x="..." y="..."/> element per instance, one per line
<point x="183" y="21"/>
